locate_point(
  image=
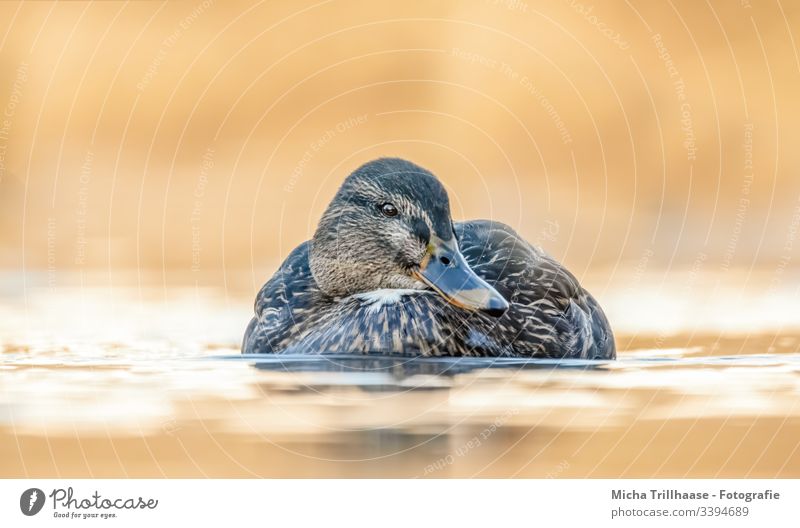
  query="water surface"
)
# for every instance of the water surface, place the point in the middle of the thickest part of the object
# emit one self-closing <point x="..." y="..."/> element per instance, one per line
<point x="143" y="385"/>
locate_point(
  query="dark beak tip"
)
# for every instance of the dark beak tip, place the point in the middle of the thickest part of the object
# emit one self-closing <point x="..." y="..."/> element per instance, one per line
<point x="496" y="309"/>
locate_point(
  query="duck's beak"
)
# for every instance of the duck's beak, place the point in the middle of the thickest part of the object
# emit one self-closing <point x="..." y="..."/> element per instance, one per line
<point x="445" y="270"/>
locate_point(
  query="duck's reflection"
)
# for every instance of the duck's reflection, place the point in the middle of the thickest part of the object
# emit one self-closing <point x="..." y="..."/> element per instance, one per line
<point x="403" y="368"/>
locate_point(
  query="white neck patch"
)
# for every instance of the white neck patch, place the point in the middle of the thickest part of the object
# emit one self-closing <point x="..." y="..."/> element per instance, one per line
<point x="376" y="299"/>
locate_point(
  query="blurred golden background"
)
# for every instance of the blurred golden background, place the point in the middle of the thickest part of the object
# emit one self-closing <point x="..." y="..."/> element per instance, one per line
<point x="199" y="139"/>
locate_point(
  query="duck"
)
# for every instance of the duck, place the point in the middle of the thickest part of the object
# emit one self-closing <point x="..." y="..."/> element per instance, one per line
<point x="388" y="272"/>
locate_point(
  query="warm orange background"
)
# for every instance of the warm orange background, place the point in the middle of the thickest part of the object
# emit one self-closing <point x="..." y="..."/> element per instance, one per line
<point x="201" y="136"/>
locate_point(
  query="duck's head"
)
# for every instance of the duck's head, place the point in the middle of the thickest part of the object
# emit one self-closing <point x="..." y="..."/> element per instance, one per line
<point x="389" y="226"/>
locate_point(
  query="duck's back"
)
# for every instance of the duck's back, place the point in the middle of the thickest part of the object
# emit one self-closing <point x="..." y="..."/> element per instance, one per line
<point x="550" y="314"/>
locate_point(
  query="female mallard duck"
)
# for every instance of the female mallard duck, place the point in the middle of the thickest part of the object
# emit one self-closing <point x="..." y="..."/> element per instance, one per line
<point x="388" y="272"/>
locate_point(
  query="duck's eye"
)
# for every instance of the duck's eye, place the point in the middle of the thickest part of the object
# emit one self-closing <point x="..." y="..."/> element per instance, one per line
<point x="389" y="209"/>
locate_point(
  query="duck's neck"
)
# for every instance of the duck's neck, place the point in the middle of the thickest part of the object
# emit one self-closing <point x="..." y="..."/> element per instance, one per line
<point x="337" y="265"/>
<point x="338" y="276"/>
<point x="341" y="271"/>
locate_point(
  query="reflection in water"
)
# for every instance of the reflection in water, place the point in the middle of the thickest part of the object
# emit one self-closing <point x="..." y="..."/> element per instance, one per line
<point x="402" y="368"/>
<point x="152" y="395"/>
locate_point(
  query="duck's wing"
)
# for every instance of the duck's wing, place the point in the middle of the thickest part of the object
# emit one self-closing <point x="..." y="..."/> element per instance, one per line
<point x="551" y="315"/>
<point x="281" y="303"/>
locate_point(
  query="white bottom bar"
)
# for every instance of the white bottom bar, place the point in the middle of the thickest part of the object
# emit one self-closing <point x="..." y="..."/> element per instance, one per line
<point x="388" y="503"/>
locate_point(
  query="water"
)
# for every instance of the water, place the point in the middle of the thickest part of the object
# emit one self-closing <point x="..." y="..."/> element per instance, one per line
<point x="114" y="383"/>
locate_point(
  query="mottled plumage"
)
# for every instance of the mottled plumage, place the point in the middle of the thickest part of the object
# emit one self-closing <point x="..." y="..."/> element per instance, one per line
<point x="548" y="313"/>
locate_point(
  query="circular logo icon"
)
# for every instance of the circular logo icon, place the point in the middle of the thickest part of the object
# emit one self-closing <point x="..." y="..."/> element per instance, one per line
<point x="31" y="501"/>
